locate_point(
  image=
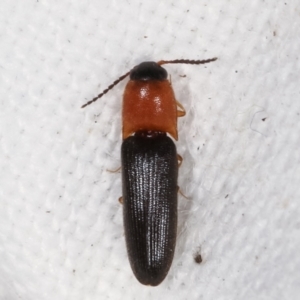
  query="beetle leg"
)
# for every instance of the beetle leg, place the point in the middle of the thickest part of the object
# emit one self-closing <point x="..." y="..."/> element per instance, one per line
<point x="182" y="194"/>
<point x="180" y="113"/>
<point x="180" y="159"/>
<point x="114" y="171"/>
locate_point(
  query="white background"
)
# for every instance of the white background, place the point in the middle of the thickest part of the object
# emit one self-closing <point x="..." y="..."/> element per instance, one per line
<point x="61" y="232"/>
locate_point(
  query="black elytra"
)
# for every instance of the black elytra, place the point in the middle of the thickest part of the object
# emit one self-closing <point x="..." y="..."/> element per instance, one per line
<point x="149" y="175"/>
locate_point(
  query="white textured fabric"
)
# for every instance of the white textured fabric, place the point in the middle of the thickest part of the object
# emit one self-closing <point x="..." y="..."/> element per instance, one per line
<point x="61" y="232"/>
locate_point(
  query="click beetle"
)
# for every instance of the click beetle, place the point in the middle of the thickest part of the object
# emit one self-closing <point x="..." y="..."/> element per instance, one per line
<point x="149" y="162"/>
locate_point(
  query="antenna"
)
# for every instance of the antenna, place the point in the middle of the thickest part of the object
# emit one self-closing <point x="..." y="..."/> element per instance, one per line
<point x="106" y="90"/>
<point x="186" y="61"/>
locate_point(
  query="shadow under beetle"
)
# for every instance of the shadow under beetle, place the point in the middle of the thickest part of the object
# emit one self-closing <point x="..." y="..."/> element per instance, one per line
<point x="150" y="168"/>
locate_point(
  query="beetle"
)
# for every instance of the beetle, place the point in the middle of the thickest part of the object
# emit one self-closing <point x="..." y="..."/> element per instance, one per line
<point x="150" y="164"/>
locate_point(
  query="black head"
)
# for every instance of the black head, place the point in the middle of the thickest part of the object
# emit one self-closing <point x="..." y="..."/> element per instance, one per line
<point x="148" y="70"/>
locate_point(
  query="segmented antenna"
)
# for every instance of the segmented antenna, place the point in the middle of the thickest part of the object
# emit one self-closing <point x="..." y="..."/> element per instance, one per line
<point x="106" y="90"/>
<point x="187" y="61"/>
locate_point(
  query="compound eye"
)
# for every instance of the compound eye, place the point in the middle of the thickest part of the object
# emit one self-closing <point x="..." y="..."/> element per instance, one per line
<point x="148" y="70"/>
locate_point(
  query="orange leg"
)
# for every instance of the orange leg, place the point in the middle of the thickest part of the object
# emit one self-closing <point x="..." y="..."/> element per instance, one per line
<point x="182" y="194"/>
<point x="180" y="159"/>
<point x="180" y="113"/>
<point x="114" y="171"/>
